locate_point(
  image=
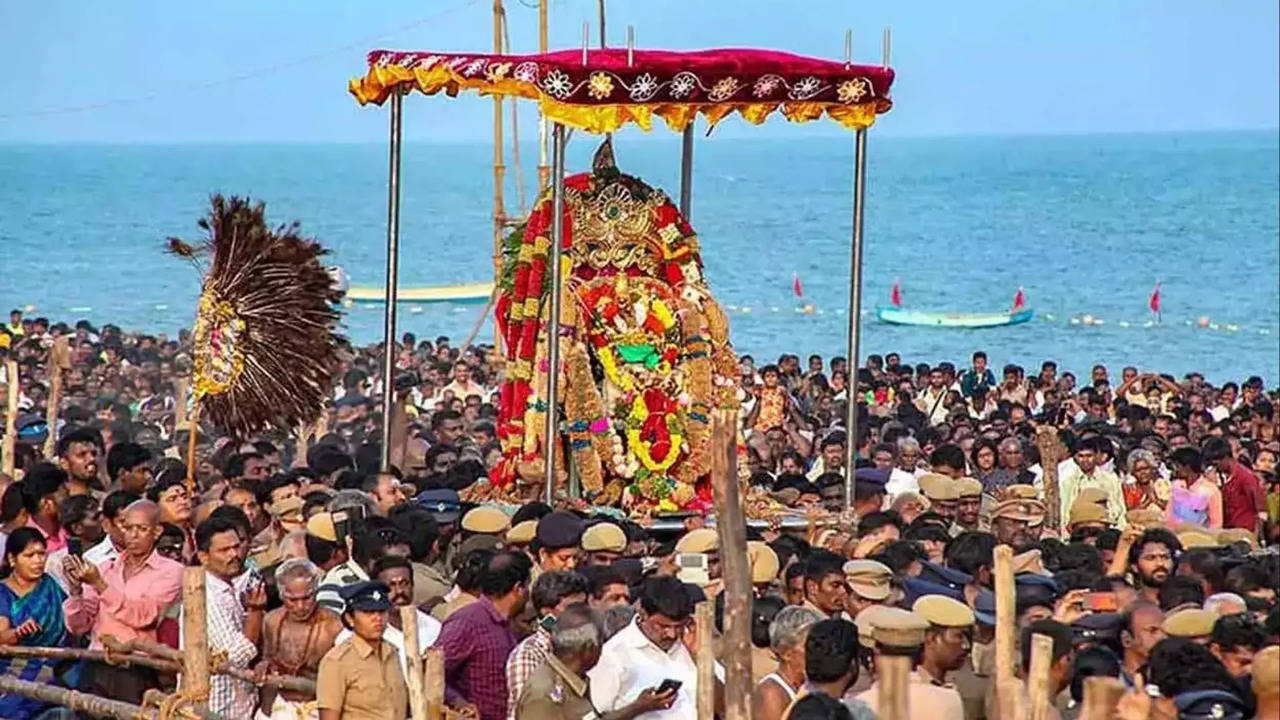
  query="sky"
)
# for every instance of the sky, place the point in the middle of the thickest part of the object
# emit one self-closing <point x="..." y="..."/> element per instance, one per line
<point x="250" y="71"/>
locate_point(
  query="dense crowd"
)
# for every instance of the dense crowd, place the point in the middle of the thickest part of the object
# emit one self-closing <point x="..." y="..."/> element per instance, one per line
<point x="1156" y="563"/>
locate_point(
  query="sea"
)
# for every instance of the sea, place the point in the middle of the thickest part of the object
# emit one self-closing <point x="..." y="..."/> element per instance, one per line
<point x="1086" y="225"/>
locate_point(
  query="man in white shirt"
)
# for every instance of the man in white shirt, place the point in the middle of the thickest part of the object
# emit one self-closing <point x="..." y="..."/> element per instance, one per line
<point x="932" y="400"/>
<point x="462" y="384"/>
<point x="658" y="646"/>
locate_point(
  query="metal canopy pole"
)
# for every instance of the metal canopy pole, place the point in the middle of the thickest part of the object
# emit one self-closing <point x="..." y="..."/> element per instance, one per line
<point x="686" y="169"/>
<point x="551" y="430"/>
<point x="855" y="313"/>
<point x="393" y="271"/>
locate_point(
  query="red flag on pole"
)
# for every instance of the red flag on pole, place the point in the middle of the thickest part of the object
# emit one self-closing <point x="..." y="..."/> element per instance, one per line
<point x="1019" y="299"/>
<point x="796" y="287"/>
<point x="1154" y="302"/>
<point x="895" y="295"/>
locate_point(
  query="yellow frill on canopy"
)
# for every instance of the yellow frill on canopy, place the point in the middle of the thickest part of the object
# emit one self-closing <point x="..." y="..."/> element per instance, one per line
<point x="381" y="81"/>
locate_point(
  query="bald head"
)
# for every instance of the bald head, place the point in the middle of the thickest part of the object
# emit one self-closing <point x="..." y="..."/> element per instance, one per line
<point x="141" y="511"/>
<point x="139" y="525"/>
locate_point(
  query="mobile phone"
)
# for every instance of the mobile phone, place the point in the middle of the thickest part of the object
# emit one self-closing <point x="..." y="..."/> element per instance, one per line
<point x="1101" y="602"/>
<point x="75" y="546"/>
<point x="692" y="568"/>
<point x="341" y="526"/>
<point x="669" y="685"/>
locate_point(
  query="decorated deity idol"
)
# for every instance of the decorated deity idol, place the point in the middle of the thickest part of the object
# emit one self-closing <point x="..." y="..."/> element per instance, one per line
<point x="644" y="347"/>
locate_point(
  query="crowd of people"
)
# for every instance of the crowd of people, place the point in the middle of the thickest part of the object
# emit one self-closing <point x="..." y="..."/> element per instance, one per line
<point x="1148" y="556"/>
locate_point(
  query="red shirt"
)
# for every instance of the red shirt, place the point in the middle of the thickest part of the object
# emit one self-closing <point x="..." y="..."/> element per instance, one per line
<point x="1242" y="499"/>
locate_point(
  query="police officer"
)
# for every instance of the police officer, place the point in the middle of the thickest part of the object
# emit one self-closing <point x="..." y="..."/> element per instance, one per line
<point x="898" y="632"/>
<point x="360" y="678"/>
<point x="556" y="541"/>
<point x="604" y="543"/>
<point x="948" y="639"/>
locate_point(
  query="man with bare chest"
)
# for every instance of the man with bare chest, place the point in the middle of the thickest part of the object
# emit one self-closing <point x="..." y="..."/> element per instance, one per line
<point x="296" y="636"/>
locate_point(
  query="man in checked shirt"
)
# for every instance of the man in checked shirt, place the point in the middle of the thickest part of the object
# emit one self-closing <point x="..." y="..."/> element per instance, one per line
<point x="235" y="626"/>
<point x="477" y="639"/>
<point x="552" y="592"/>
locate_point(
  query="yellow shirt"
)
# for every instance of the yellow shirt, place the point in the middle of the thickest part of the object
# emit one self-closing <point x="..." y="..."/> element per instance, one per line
<point x="362" y="683"/>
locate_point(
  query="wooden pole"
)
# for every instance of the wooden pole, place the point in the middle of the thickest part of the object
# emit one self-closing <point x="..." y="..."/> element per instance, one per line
<point x="731" y="528"/>
<point x="434" y="681"/>
<point x="195" y="635"/>
<point x="893" y="673"/>
<point x="413" y="657"/>
<point x="1006" y="620"/>
<point x="499" y="167"/>
<point x="544" y="170"/>
<point x="1011" y="701"/>
<point x="180" y="401"/>
<point x="9" y="460"/>
<point x="1050" y="453"/>
<point x="59" y="362"/>
<point x="704" y="623"/>
<point x="1101" y="693"/>
<point x="193" y="433"/>
<point x="164" y="653"/>
<point x="1038" y="675"/>
<point x="92" y="704"/>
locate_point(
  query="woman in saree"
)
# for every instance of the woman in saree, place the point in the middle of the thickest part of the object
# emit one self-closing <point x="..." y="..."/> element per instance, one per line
<point x="1194" y="498"/>
<point x="30" y="614"/>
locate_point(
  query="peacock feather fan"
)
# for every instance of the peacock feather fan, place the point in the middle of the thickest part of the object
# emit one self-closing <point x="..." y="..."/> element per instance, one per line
<point x="265" y="346"/>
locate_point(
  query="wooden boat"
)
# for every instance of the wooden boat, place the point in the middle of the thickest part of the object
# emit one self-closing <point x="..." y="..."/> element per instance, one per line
<point x="926" y="318"/>
<point x="468" y="294"/>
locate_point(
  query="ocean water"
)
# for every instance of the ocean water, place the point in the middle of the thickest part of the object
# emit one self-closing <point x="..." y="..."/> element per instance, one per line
<point x="1086" y="224"/>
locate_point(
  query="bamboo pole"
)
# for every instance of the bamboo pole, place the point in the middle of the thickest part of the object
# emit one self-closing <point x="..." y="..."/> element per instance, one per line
<point x="434" y="682"/>
<point x="413" y="658"/>
<point x="544" y="170"/>
<point x="1038" y="675"/>
<point x="180" y="401"/>
<point x="1101" y="693"/>
<point x="704" y="623"/>
<point x="499" y="167"/>
<point x="1005" y="616"/>
<point x="8" y="461"/>
<point x="163" y="653"/>
<point x="731" y="528"/>
<point x="1010" y="701"/>
<point x="893" y="673"/>
<point x="1050" y="453"/>
<point x="193" y="432"/>
<point x="195" y="635"/>
<point x="94" y="705"/>
<point x="59" y="653"/>
<point x="58" y="363"/>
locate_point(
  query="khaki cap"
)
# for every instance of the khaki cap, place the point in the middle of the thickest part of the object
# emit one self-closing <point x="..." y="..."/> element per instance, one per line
<point x="868" y="579"/>
<point x="1190" y="623"/>
<point x="288" y="506"/>
<point x="899" y="628"/>
<point x="1196" y="539"/>
<point x="486" y="519"/>
<point x="1092" y="494"/>
<point x="1266" y="672"/>
<point x="938" y="487"/>
<point x="321" y="526"/>
<point x="1084" y="511"/>
<point x="866" y="622"/>
<point x="1022" y="490"/>
<point x="1235" y="535"/>
<point x="1019" y="509"/>
<point x="604" y="536"/>
<point x="943" y="611"/>
<point x="522" y="532"/>
<point x="700" y="540"/>
<point x="968" y="487"/>
<point x="764" y="562"/>
<point x="1145" y="517"/>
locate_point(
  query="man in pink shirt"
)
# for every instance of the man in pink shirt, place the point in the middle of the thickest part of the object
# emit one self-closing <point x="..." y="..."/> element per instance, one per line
<point x="125" y="598"/>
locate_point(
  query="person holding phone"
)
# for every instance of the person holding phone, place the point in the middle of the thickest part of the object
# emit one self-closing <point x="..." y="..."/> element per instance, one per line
<point x="30" y="614"/>
<point x="559" y="690"/>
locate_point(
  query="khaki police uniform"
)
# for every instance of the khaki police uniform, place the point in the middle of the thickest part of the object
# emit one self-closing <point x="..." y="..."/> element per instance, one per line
<point x="901" y="629"/>
<point x="554" y="692"/>
<point x="361" y="682"/>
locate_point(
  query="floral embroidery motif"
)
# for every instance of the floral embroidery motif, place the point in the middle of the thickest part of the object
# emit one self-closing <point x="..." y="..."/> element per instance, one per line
<point x="723" y="89"/>
<point x="428" y="61"/>
<point x="851" y="91"/>
<point x="682" y="84"/>
<point x="526" y="72"/>
<point x="558" y="84"/>
<point x="766" y="85"/>
<point x="601" y="86"/>
<point x="644" y="87"/>
<point x="474" y="67"/>
<point x="806" y="88"/>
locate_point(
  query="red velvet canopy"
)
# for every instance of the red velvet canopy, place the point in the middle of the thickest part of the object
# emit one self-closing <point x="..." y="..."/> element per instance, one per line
<point x="608" y="91"/>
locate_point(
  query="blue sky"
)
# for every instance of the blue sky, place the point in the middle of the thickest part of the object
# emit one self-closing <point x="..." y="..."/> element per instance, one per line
<point x="247" y="70"/>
